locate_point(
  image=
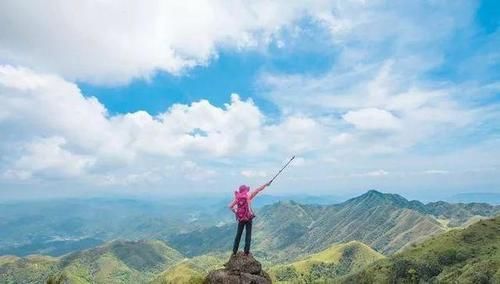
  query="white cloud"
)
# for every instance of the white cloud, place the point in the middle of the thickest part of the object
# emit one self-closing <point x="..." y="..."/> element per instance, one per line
<point x="112" y="42"/>
<point x="436" y="172"/>
<point x="47" y="158"/>
<point x="376" y="173"/>
<point x="372" y="119"/>
<point x="193" y="171"/>
<point x="253" y="173"/>
<point x="70" y="135"/>
<point x="341" y="139"/>
<point x="379" y="81"/>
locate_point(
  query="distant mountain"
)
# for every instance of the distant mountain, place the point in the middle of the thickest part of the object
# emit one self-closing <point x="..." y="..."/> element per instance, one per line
<point x="481" y="197"/>
<point x="386" y="222"/>
<point x="60" y="226"/>
<point x="329" y="264"/>
<point x="267" y="199"/>
<point x="459" y="214"/>
<point x="470" y="255"/>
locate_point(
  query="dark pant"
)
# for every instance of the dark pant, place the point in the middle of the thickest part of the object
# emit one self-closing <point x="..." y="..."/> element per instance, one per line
<point x="248" y="235"/>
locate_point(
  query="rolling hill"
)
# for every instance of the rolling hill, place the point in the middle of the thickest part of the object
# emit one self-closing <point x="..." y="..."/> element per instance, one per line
<point x="329" y="264"/>
<point x="184" y="272"/>
<point x="114" y="262"/>
<point x="470" y="255"/>
<point x="31" y="269"/>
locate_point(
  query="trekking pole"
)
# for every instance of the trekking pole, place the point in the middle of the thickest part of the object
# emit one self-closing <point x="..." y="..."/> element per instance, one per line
<point x="279" y="172"/>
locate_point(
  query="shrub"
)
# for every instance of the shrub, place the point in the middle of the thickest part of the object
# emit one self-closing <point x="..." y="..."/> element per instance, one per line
<point x="323" y="270"/>
<point x="406" y="270"/>
<point x="480" y="277"/>
<point x="286" y="273"/>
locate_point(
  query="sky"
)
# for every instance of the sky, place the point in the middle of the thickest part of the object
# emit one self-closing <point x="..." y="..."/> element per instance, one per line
<point x="160" y="98"/>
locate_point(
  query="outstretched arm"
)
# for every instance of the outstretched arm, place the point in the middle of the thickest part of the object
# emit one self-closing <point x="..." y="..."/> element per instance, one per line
<point x="259" y="189"/>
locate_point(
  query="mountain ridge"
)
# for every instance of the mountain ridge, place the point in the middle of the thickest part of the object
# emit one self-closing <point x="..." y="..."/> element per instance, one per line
<point x="470" y="255"/>
<point x="387" y="222"/>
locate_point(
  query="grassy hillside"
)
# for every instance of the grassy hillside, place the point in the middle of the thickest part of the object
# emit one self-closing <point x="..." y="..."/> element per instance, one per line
<point x="31" y="269"/>
<point x="326" y="265"/>
<point x="191" y="270"/>
<point x="470" y="255"/>
<point x="114" y="262"/>
<point x="184" y="272"/>
<point x="120" y="262"/>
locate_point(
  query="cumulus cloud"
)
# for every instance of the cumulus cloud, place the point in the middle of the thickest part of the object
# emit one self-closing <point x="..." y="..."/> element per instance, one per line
<point x="111" y="42"/>
<point x="379" y="106"/>
<point x="54" y="130"/>
<point x="48" y="158"/>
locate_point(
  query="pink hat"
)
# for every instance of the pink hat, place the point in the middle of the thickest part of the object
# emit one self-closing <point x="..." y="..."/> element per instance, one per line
<point x="244" y="188"/>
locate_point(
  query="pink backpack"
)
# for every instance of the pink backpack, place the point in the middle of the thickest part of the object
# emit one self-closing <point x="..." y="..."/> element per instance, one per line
<point x="243" y="212"/>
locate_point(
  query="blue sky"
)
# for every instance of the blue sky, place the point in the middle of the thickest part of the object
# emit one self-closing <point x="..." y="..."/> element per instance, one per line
<point x="148" y="97"/>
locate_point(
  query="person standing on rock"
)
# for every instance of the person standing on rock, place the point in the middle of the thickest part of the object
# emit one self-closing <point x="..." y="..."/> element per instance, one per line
<point x="241" y="206"/>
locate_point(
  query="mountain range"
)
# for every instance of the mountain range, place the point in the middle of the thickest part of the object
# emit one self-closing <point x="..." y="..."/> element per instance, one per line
<point x="310" y="242"/>
<point x="386" y="222"/>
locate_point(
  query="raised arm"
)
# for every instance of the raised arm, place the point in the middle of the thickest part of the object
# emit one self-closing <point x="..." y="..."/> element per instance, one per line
<point x="259" y="189"/>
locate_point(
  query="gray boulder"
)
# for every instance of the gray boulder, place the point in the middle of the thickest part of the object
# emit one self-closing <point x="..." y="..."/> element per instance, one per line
<point x="240" y="269"/>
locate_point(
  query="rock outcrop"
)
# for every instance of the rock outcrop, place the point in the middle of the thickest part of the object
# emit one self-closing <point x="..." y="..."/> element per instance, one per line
<point x="240" y="269"/>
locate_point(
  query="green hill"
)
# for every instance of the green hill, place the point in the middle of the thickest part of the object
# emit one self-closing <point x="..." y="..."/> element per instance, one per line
<point x="114" y="262"/>
<point x="191" y="271"/>
<point x="30" y="269"/>
<point x="470" y="255"/>
<point x="326" y="265"/>
<point x="184" y="272"/>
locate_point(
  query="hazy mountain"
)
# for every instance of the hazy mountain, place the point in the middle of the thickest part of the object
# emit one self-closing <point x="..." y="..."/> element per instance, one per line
<point x="471" y="255"/>
<point x="267" y="199"/>
<point x="335" y="261"/>
<point x="57" y="227"/>
<point x="482" y="197"/>
<point x="459" y="214"/>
